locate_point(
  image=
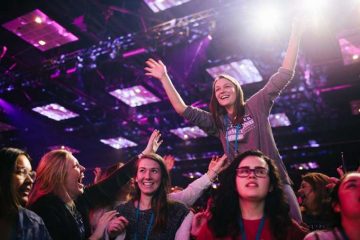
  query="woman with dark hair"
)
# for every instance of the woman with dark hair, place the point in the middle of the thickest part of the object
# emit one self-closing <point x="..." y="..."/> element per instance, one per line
<point x="16" y="180"/>
<point x="345" y="202"/>
<point x="240" y="125"/>
<point x="250" y="203"/>
<point x="150" y="215"/>
<point x="315" y="201"/>
<point x="60" y="198"/>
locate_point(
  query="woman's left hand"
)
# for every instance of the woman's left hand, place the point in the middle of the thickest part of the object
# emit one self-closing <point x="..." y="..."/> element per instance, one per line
<point x="153" y="143"/>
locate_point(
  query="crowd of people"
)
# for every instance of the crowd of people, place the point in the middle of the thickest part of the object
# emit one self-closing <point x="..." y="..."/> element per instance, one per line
<point x="255" y="199"/>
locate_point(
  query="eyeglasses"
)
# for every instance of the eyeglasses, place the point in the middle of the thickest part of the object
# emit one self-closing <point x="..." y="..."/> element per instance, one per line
<point x="24" y="173"/>
<point x="259" y="172"/>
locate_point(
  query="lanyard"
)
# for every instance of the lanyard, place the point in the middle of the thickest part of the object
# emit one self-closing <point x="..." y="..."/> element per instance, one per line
<point x="258" y="233"/>
<point x="237" y="128"/>
<point x="137" y="223"/>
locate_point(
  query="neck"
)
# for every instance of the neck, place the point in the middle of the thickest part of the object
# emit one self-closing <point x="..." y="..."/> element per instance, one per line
<point x="251" y="210"/>
<point x="145" y="202"/>
<point x="351" y="227"/>
<point x="230" y="111"/>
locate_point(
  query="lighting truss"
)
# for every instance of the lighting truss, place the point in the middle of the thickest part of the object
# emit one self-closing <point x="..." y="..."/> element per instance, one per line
<point x="244" y="71"/>
<point x="118" y="142"/>
<point x="55" y="112"/>
<point x="305" y="166"/>
<point x="40" y="30"/>
<point x="170" y="33"/>
<point x="135" y="96"/>
<point x="189" y="133"/>
<point x="279" y="120"/>
<point x="161" y="5"/>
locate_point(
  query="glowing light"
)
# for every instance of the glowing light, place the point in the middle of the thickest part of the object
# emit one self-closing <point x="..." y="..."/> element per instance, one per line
<point x="38" y="20"/>
<point x="42" y="42"/>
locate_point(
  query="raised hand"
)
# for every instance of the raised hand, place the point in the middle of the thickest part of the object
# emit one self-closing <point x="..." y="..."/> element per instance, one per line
<point x="155" y="69"/>
<point x="153" y="143"/>
<point x="198" y="221"/>
<point x="169" y="161"/>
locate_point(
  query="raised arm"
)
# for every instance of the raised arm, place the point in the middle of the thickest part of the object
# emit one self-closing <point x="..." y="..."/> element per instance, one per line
<point x="289" y="61"/>
<point x="158" y="70"/>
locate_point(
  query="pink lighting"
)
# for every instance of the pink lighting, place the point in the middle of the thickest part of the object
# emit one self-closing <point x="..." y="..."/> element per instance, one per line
<point x="39" y="30"/>
<point x="279" y="120"/>
<point x="135" y="96"/>
<point x="118" y="142"/>
<point x="134" y="52"/>
<point x="244" y="71"/>
<point x="55" y="111"/>
<point x="71" y="70"/>
<point x="349" y="42"/>
<point x="189" y="133"/>
<point x="6" y="127"/>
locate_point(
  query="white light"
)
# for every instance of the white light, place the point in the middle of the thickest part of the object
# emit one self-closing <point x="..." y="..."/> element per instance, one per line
<point x="355" y="57"/>
<point x="38" y="20"/>
<point x="267" y="18"/>
<point x="42" y="42"/>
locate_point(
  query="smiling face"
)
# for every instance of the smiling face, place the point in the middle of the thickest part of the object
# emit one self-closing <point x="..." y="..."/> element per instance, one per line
<point x="22" y="179"/>
<point x="225" y="92"/>
<point x="74" y="177"/>
<point x="148" y="176"/>
<point x="252" y="187"/>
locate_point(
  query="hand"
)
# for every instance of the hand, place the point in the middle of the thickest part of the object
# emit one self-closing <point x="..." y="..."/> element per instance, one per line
<point x="169" y="161"/>
<point x="340" y="171"/>
<point x="117" y="226"/>
<point x="155" y="69"/>
<point x="153" y="143"/>
<point x="97" y="174"/>
<point x="218" y="164"/>
<point x="198" y="221"/>
<point x="102" y="224"/>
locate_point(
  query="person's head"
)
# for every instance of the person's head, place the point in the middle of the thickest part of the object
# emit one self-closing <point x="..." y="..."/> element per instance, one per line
<point x="314" y="193"/>
<point x="16" y="179"/>
<point x="345" y="198"/>
<point x="226" y="92"/>
<point x="151" y="177"/>
<point x="152" y="180"/>
<point x="251" y="177"/>
<point x="59" y="173"/>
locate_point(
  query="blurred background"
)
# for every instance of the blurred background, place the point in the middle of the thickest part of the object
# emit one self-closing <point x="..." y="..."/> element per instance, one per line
<point x="71" y="76"/>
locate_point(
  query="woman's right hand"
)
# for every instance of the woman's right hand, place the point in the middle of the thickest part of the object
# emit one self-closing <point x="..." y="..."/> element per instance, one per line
<point x="102" y="224"/>
<point x="156" y="69"/>
<point x="117" y="226"/>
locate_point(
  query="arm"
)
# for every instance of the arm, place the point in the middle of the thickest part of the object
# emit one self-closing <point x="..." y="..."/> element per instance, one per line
<point x="157" y="70"/>
<point x="189" y="195"/>
<point x="289" y="61"/>
<point x="183" y="232"/>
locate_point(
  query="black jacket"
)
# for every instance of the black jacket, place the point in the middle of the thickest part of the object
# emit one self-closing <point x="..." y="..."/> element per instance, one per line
<point x="57" y="218"/>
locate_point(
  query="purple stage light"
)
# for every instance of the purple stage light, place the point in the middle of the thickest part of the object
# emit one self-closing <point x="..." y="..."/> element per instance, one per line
<point x="355" y="107"/>
<point x="135" y="96"/>
<point x="40" y="30"/>
<point x="134" y="52"/>
<point x="161" y="5"/>
<point x="188" y="133"/>
<point x="63" y="147"/>
<point x="279" y="120"/>
<point x="55" y="112"/>
<point x="244" y="71"/>
<point x="118" y="142"/>
<point x="349" y="42"/>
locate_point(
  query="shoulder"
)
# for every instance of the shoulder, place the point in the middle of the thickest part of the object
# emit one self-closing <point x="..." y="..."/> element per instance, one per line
<point x="31" y="216"/>
<point x="322" y="234"/>
<point x="178" y="209"/>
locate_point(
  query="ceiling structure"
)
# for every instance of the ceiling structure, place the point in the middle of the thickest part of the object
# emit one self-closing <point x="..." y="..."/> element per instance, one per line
<point x="116" y="37"/>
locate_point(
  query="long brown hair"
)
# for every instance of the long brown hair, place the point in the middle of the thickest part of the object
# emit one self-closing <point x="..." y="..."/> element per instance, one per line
<point x="159" y="201"/>
<point x="318" y="182"/>
<point x="51" y="174"/>
<point x="218" y="111"/>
